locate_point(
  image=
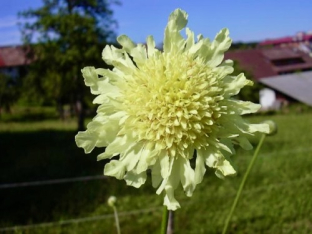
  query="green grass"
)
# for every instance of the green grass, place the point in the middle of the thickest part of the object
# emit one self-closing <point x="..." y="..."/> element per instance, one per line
<point x="276" y="198"/>
<point x="29" y="114"/>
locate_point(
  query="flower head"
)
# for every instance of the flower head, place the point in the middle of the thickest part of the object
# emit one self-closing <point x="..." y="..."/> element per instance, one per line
<point x="158" y="108"/>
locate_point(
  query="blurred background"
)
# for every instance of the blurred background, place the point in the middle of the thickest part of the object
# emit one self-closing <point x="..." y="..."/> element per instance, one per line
<point x="48" y="185"/>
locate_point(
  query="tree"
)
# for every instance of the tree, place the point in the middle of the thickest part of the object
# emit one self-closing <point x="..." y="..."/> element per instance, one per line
<point x="243" y="45"/>
<point x="9" y="92"/>
<point x="70" y="35"/>
<point x="248" y="93"/>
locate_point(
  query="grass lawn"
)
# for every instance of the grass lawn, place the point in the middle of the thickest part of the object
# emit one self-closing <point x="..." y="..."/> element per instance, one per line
<point x="276" y="199"/>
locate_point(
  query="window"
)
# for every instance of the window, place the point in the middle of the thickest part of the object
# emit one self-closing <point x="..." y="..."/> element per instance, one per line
<point x="287" y="61"/>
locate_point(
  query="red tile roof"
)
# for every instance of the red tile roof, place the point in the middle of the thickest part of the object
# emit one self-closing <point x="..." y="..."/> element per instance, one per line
<point x="286" y="40"/>
<point x="13" y="56"/>
<point x="277" y="41"/>
<point x="273" y="54"/>
<point x="252" y="60"/>
<point x="259" y="61"/>
<point x="2" y="63"/>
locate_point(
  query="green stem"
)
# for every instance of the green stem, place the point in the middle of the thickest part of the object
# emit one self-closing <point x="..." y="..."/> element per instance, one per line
<point x="164" y="222"/>
<point x="241" y="186"/>
<point x="116" y="220"/>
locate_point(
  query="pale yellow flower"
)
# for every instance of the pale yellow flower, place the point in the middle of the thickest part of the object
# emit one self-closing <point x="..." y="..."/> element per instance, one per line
<point x="158" y="108"/>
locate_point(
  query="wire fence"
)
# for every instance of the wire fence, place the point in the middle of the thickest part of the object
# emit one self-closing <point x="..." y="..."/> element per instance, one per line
<point x="101" y="177"/>
<point x="132" y="212"/>
<point x="79" y="220"/>
<point x="50" y="182"/>
<point x="148" y="210"/>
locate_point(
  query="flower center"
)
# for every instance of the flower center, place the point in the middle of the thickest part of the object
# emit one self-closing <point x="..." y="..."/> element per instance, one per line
<point x="172" y="102"/>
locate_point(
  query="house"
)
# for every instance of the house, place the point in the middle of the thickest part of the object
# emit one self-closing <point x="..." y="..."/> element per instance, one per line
<point x="13" y="61"/>
<point x="297" y="86"/>
<point x="272" y="63"/>
<point x="301" y="41"/>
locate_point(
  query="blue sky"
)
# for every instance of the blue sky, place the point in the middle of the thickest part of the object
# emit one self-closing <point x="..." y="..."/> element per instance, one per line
<point x="247" y="20"/>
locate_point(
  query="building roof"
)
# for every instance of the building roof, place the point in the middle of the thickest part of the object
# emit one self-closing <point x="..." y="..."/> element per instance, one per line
<point x="252" y="60"/>
<point x="267" y="62"/>
<point x="277" y="41"/>
<point x="2" y="63"/>
<point x="273" y="54"/>
<point x="12" y="56"/>
<point x="286" y="40"/>
<point x="296" y="85"/>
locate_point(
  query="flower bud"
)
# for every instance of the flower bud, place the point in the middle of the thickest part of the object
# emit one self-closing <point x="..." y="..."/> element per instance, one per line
<point x="272" y="127"/>
<point x="111" y="201"/>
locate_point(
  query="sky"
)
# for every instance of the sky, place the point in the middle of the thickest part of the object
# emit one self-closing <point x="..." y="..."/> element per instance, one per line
<point x="247" y="20"/>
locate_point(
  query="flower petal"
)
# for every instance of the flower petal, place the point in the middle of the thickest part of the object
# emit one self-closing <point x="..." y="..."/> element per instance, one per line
<point x="233" y="84"/>
<point x="147" y="158"/>
<point x="120" y="144"/>
<point x="119" y="59"/>
<point x="131" y="156"/>
<point x="92" y="80"/>
<point x="169" y="200"/>
<point x="164" y="161"/>
<point x="223" y="70"/>
<point x="111" y="54"/>
<point x="150" y="46"/>
<point x="187" y="176"/>
<point x="190" y="41"/>
<point x="244" y="143"/>
<point x="221" y="43"/>
<point x="126" y="42"/>
<point x="225" y="167"/>
<point x="105" y="132"/>
<point x="134" y="179"/>
<point x="86" y="140"/>
<point x="242" y="107"/>
<point x="173" y="39"/>
<point x="156" y="176"/>
<point x="200" y="168"/>
<point x="115" y="168"/>
<point x="139" y="54"/>
<point x="112" y="76"/>
<point x="166" y="179"/>
<point x="248" y="128"/>
<point x="110" y="106"/>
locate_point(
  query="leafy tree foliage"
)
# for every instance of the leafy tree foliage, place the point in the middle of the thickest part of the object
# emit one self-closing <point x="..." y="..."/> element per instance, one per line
<point x="243" y="45"/>
<point x="248" y="93"/>
<point x="9" y="92"/>
<point x="70" y="35"/>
